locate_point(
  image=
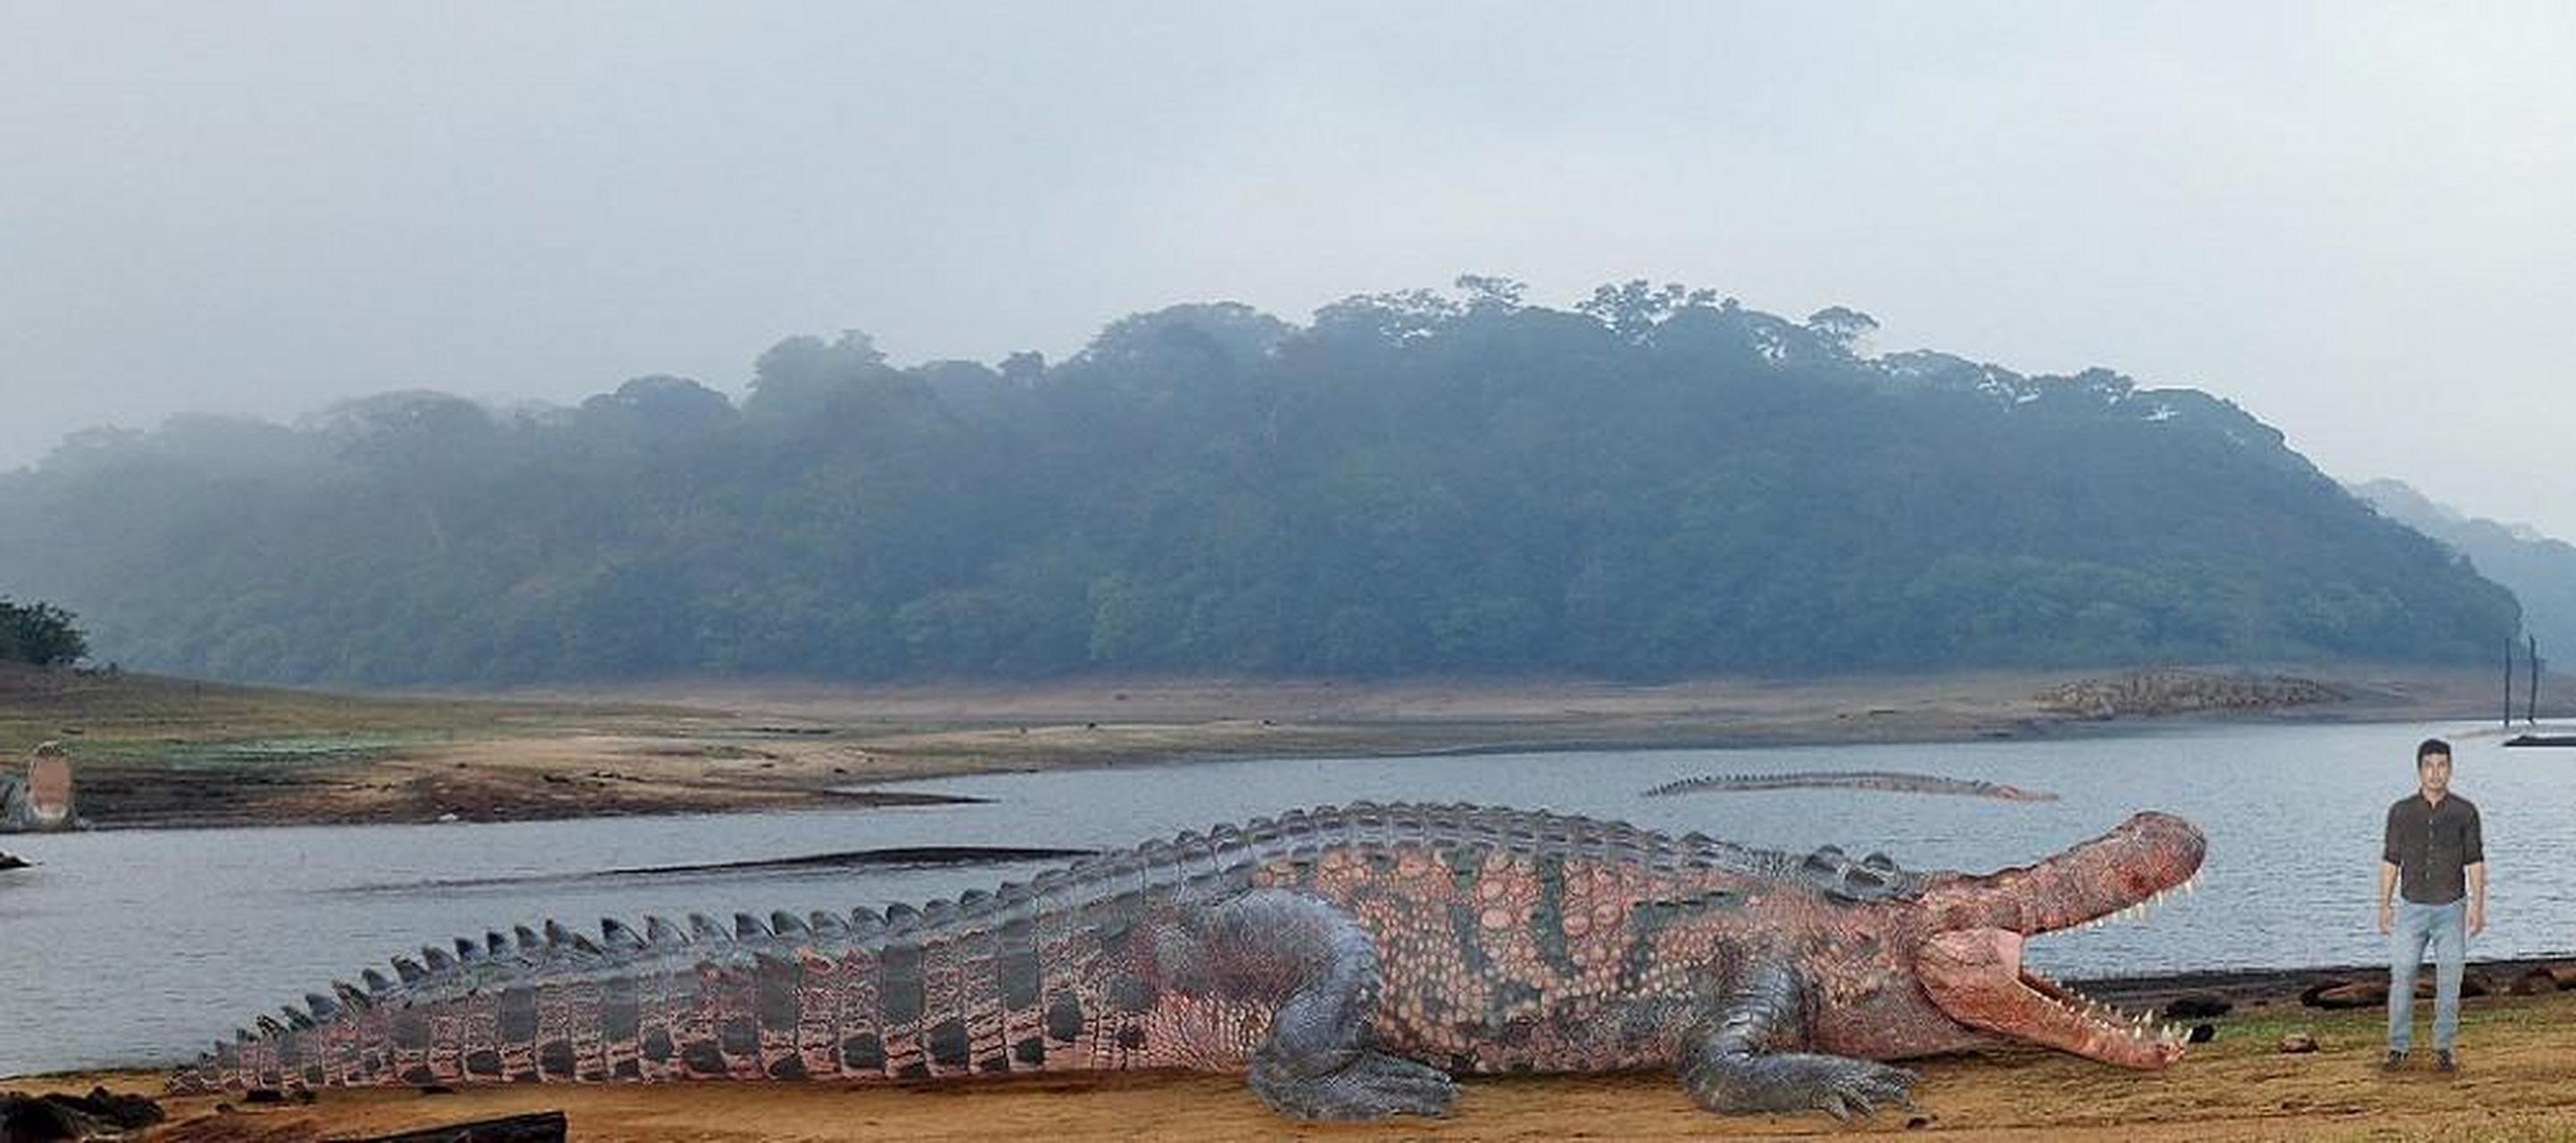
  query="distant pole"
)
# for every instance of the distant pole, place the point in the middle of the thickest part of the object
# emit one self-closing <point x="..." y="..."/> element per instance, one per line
<point x="2531" y="698"/>
<point x="2508" y="684"/>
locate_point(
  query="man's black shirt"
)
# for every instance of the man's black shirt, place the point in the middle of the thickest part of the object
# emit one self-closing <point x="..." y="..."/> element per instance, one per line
<point x="2432" y="847"/>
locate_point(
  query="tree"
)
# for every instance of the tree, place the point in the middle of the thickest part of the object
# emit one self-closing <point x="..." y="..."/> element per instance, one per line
<point x="1633" y="308"/>
<point x="39" y="633"/>
<point x="1841" y="327"/>
<point x="800" y="377"/>
<point x="1488" y="292"/>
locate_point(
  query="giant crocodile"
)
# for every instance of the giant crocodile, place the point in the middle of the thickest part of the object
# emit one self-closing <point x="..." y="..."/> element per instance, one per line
<point x="1896" y="781"/>
<point x="1348" y="959"/>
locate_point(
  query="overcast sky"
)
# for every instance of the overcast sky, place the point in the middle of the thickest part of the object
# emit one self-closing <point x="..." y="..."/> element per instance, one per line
<point x="2353" y="220"/>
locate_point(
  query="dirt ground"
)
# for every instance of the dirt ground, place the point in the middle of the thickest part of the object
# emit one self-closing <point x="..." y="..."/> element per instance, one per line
<point x="163" y="752"/>
<point x="2518" y="1082"/>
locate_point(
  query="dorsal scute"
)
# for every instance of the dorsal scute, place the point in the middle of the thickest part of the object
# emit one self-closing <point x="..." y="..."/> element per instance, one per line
<point x="614" y="934"/>
<point x="786" y="924"/>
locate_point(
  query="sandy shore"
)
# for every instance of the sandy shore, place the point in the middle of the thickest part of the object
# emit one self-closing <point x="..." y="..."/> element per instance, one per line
<point x="2514" y="1086"/>
<point x="168" y="752"/>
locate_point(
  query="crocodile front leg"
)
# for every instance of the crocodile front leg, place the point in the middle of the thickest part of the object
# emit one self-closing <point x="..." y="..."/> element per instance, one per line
<point x="1317" y="969"/>
<point x="1729" y="1064"/>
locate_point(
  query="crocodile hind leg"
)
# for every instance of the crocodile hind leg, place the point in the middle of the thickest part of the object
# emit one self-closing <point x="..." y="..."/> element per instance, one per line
<point x="1317" y="970"/>
<point x="1729" y="1065"/>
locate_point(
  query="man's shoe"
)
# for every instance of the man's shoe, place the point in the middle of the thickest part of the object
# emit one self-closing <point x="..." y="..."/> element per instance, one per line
<point x="2395" y="1062"/>
<point x="2442" y="1062"/>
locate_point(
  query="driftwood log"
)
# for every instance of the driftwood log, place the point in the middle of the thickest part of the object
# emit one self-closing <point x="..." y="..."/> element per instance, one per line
<point x="2372" y="992"/>
<point x="49" y="1118"/>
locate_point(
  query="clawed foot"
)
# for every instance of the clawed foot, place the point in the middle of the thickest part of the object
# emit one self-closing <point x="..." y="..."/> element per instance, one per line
<point x="1835" y="1085"/>
<point x="1860" y="1086"/>
<point x="1373" y="1085"/>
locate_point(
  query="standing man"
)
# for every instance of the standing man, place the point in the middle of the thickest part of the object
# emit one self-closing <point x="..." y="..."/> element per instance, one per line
<point x="2434" y="851"/>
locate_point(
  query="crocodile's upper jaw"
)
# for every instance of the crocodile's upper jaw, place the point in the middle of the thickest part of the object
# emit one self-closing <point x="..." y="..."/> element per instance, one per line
<point x="1970" y="964"/>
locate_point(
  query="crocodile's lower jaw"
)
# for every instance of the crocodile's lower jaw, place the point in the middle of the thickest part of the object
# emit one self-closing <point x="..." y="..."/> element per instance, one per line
<point x="1977" y="978"/>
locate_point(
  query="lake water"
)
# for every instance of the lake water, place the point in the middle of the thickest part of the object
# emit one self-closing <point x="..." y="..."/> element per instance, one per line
<point x="132" y="947"/>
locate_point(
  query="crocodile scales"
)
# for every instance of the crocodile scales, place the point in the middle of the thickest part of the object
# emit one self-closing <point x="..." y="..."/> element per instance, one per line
<point x="1349" y="960"/>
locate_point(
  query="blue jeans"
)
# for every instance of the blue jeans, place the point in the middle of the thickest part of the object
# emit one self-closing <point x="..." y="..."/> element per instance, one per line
<point x="2446" y="928"/>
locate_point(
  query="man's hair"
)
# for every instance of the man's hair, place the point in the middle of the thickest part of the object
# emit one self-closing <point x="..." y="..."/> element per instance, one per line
<point x="2430" y="747"/>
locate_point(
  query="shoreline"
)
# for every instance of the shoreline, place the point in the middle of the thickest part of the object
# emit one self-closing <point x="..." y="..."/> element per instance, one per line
<point x="177" y="754"/>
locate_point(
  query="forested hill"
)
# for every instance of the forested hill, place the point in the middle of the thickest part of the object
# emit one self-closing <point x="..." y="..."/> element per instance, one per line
<point x="2539" y="570"/>
<point x="1653" y="483"/>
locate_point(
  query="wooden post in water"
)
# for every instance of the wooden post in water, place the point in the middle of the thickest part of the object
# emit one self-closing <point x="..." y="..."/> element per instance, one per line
<point x="2508" y="684"/>
<point x="2531" y="697"/>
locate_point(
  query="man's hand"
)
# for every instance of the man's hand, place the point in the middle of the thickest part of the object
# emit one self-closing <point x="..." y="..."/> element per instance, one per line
<point x="2477" y="917"/>
<point x="2388" y="918"/>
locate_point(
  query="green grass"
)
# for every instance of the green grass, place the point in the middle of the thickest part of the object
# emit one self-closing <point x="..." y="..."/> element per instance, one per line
<point x="2264" y="1027"/>
<point x="133" y="719"/>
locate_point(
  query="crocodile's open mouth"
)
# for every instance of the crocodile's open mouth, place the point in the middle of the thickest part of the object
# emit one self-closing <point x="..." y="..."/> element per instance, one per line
<point x="1972" y="968"/>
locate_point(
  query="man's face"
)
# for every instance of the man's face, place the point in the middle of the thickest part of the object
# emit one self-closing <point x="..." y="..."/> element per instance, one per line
<point x="2434" y="771"/>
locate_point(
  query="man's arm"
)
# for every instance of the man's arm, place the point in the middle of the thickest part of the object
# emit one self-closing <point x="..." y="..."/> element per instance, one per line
<point x="2477" y="897"/>
<point x="2388" y="872"/>
<point x="2387" y="886"/>
<point x="2475" y="855"/>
